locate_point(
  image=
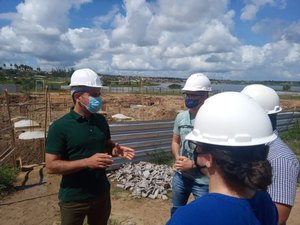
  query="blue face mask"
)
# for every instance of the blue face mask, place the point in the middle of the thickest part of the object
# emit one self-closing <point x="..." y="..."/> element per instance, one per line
<point x="191" y="103"/>
<point x="95" y="104"/>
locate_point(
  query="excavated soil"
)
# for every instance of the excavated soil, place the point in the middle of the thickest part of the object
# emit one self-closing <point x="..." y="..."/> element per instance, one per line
<point x="35" y="201"/>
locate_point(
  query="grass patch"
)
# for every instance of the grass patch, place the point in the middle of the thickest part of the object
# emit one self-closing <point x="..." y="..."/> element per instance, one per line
<point x="7" y="178"/>
<point x="113" y="221"/>
<point x="161" y="158"/>
<point x="290" y="97"/>
<point x="291" y="138"/>
<point x="117" y="192"/>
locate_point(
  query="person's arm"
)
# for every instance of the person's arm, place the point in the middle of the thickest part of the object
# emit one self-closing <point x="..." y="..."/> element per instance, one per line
<point x="176" y="146"/>
<point x="55" y="165"/>
<point x="181" y="162"/>
<point x="284" y="182"/>
<point x="283" y="213"/>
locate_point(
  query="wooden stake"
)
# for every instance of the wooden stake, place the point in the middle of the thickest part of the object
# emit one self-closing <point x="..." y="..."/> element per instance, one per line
<point x="45" y="129"/>
<point x="13" y="143"/>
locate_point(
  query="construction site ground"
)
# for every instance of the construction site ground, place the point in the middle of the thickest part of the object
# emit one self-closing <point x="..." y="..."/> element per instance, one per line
<point x="35" y="201"/>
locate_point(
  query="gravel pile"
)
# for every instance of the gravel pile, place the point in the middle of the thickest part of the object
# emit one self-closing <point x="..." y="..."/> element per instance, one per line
<point x="144" y="179"/>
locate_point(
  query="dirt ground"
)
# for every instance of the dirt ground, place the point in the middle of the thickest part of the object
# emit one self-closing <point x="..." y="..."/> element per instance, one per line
<point x="43" y="110"/>
<point x="35" y="202"/>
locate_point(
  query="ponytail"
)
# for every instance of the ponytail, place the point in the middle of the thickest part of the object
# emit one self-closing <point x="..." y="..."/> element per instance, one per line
<point x="243" y="166"/>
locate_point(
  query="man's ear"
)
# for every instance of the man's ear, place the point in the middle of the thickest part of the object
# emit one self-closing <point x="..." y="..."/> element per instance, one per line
<point x="76" y="96"/>
<point x="209" y="160"/>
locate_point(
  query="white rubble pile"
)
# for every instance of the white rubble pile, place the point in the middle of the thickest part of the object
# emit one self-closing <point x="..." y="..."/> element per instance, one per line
<point x="144" y="179"/>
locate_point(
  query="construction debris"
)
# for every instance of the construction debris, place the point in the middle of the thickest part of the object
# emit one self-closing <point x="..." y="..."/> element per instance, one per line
<point x="26" y="124"/>
<point x="28" y="135"/>
<point x="119" y="116"/>
<point x="144" y="179"/>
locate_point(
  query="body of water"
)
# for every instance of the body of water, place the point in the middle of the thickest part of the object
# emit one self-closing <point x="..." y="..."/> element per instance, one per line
<point x="234" y="87"/>
<point x="216" y="88"/>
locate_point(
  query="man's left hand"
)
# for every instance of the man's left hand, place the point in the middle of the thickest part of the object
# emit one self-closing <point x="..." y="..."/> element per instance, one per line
<point x="123" y="151"/>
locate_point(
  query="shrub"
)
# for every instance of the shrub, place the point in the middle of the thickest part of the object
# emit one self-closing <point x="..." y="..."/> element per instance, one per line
<point x="175" y="86"/>
<point x="7" y="178"/>
<point x="291" y="137"/>
<point x="161" y="157"/>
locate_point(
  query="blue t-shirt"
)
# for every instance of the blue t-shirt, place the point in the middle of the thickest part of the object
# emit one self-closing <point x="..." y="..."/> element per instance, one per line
<point x="219" y="209"/>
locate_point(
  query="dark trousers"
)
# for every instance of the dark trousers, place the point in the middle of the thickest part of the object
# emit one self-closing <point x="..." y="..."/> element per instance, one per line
<point x="96" y="210"/>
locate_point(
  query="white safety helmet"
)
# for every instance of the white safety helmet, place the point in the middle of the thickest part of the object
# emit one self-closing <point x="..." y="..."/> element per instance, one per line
<point x="265" y="96"/>
<point x="231" y="119"/>
<point x="197" y="82"/>
<point x="85" y="77"/>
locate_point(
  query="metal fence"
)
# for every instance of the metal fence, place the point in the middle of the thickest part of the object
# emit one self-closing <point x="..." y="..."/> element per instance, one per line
<point x="153" y="139"/>
<point x="147" y="138"/>
<point x="286" y="120"/>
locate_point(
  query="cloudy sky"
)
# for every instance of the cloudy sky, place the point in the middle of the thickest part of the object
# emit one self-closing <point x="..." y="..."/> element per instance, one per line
<point x="237" y="39"/>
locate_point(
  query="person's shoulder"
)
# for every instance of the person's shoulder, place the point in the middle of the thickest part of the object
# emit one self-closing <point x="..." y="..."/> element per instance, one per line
<point x="183" y="112"/>
<point x="183" y="115"/>
<point x="261" y="194"/>
<point x="279" y="150"/>
<point x="208" y="200"/>
<point x="99" y="116"/>
<point x="203" y="207"/>
<point x="279" y="144"/>
<point x="196" y="207"/>
<point x="99" y="119"/>
<point x="262" y="198"/>
<point x="60" y="120"/>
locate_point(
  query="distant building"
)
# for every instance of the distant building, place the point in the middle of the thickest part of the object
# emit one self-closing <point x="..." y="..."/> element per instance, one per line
<point x="11" y="88"/>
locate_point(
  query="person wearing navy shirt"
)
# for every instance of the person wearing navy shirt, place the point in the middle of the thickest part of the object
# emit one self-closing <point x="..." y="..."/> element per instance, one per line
<point x="232" y="151"/>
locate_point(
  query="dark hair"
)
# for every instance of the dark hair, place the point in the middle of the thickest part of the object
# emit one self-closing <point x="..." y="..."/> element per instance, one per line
<point x="242" y="166"/>
<point x="80" y="90"/>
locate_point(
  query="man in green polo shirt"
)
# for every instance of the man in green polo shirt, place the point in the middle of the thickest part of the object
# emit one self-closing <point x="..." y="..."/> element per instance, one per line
<point x="79" y="147"/>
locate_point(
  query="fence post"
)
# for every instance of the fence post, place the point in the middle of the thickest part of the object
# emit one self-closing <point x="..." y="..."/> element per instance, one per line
<point x="46" y="119"/>
<point x="13" y="143"/>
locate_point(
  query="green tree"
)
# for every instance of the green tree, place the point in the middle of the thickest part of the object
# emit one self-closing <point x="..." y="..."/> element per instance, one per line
<point x="286" y="87"/>
<point x="175" y="86"/>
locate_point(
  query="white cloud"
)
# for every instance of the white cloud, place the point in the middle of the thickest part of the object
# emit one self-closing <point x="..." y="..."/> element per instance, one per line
<point x="249" y="12"/>
<point x="253" y="6"/>
<point x="277" y="59"/>
<point x="164" y="37"/>
<point x="273" y="28"/>
<point x="292" y="32"/>
<point x="7" y="16"/>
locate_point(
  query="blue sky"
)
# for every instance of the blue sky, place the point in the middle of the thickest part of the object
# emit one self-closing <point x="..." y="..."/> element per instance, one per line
<point x="237" y="39"/>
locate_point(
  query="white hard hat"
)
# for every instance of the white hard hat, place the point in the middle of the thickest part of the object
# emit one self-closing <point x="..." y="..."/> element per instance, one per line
<point x="85" y="77"/>
<point x="231" y="119"/>
<point x="197" y="82"/>
<point x="265" y="96"/>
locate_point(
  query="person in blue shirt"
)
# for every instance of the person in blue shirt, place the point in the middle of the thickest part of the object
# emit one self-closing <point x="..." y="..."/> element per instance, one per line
<point x="229" y="140"/>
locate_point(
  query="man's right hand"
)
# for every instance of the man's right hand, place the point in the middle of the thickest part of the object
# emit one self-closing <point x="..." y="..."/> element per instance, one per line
<point x="99" y="160"/>
<point x="183" y="163"/>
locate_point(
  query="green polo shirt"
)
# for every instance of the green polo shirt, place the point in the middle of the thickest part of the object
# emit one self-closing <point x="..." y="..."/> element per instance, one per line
<point x="74" y="137"/>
